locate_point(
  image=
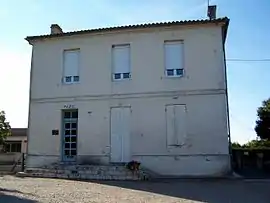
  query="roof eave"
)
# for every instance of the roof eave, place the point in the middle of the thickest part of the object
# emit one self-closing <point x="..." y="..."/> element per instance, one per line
<point x="224" y="21"/>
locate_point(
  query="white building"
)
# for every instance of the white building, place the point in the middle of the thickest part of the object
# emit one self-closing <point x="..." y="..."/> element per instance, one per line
<point x="154" y="93"/>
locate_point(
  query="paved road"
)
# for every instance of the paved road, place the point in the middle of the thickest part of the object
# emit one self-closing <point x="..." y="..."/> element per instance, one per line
<point x="31" y="190"/>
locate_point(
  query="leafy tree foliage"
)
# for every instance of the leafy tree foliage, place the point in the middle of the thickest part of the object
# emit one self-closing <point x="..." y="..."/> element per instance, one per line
<point x="254" y="144"/>
<point x="236" y="145"/>
<point x="5" y="129"/>
<point x="263" y="122"/>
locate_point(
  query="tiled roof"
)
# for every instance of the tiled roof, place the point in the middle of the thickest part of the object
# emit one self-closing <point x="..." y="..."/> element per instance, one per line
<point x="224" y="20"/>
<point x="18" y="131"/>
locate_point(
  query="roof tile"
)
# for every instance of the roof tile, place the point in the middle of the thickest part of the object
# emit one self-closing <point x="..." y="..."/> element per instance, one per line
<point x="127" y="27"/>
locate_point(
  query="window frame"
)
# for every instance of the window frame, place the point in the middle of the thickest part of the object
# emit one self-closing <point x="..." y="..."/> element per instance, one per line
<point x="175" y="73"/>
<point x="180" y="41"/>
<point x="9" y="144"/>
<point x="72" y="81"/>
<point x="121" y="78"/>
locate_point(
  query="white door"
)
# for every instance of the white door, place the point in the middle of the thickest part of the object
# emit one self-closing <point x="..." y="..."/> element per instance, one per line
<point x="120" y="134"/>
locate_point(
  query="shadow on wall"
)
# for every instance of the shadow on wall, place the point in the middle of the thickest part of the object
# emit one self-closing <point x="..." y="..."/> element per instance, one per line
<point x="212" y="191"/>
<point x="10" y="198"/>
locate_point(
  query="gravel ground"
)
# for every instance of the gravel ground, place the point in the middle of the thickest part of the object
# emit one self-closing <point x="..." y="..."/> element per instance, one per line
<point x="30" y="190"/>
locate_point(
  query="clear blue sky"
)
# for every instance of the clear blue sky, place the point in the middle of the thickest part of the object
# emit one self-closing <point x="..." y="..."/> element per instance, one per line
<point x="248" y="38"/>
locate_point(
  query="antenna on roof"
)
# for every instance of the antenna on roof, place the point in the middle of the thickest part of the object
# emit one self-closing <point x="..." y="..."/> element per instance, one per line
<point x="211" y="11"/>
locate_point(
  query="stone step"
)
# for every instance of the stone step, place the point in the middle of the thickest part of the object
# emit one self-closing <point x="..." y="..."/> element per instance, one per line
<point x="9" y="167"/>
<point x="87" y="172"/>
<point x="86" y="167"/>
<point x="77" y="176"/>
<point x="4" y="173"/>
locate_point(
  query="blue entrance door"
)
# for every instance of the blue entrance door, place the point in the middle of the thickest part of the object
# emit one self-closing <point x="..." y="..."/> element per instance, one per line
<point x="70" y="132"/>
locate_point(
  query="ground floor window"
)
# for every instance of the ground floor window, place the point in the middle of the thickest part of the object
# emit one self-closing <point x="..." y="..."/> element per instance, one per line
<point x="13" y="146"/>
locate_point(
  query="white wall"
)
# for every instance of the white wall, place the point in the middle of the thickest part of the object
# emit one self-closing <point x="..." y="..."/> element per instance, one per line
<point x="202" y="90"/>
<point x="206" y="128"/>
<point x="204" y="65"/>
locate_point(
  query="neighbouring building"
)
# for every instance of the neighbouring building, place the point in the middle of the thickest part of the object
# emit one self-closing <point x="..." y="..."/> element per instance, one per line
<point x="17" y="142"/>
<point x="154" y="93"/>
<point x="14" y="146"/>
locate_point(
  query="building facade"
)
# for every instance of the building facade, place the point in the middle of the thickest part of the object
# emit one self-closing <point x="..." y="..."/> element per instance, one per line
<point x="14" y="146"/>
<point x="153" y="93"/>
<point x="17" y="142"/>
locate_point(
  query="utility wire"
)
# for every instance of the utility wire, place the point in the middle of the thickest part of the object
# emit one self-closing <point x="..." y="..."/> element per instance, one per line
<point x="249" y="60"/>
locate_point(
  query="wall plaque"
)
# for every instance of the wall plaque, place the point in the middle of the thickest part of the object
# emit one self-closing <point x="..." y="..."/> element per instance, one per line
<point x="55" y="132"/>
<point x="69" y="106"/>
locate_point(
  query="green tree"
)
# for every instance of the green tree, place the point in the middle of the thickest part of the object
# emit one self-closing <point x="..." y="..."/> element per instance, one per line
<point x="5" y="129"/>
<point x="253" y="144"/>
<point x="257" y="144"/>
<point x="263" y="122"/>
<point x="236" y="145"/>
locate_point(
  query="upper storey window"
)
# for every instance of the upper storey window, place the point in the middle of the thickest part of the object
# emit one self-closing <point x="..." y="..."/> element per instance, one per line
<point x="174" y="58"/>
<point x="71" y="66"/>
<point x="121" y="62"/>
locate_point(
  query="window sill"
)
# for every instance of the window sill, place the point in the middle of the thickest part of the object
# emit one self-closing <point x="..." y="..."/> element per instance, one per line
<point x="174" y="77"/>
<point x="121" y="80"/>
<point x="70" y="83"/>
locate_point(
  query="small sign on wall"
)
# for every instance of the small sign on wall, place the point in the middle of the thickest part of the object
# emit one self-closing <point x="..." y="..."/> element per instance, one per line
<point x="55" y="132"/>
<point x="69" y="106"/>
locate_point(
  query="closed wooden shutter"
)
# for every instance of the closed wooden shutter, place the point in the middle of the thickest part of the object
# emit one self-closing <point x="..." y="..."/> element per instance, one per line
<point x="170" y="126"/>
<point x="121" y="59"/>
<point x="71" y="63"/>
<point x="180" y="120"/>
<point x="176" y="124"/>
<point x="174" y="55"/>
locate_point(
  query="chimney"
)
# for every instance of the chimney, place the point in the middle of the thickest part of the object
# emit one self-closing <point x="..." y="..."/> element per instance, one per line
<point x="56" y="29"/>
<point x="212" y="12"/>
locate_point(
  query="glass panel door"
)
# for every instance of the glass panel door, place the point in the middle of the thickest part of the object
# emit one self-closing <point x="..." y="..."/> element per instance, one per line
<point x="70" y="129"/>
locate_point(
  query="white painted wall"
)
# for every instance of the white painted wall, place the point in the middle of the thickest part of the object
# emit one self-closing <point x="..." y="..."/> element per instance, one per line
<point x="202" y="90"/>
<point x="206" y="129"/>
<point x="204" y="65"/>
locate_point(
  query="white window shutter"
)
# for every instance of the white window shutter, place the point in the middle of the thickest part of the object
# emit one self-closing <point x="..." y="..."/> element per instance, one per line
<point x="71" y="62"/>
<point x="180" y="120"/>
<point x="174" y="55"/>
<point x="115" y="138"/>
<point x="121" y="59"/>
<point x="170" y="126"/>
<point x="126" y="133"/>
